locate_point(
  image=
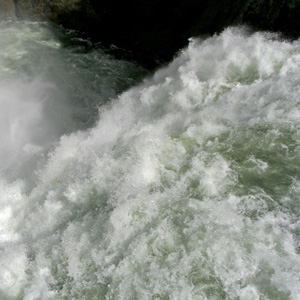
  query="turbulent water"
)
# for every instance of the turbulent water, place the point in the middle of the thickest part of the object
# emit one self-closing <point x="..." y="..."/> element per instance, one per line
<point x="184" y="186"/>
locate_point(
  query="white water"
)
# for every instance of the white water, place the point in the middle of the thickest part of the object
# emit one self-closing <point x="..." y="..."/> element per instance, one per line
<point x="186" y="187"/>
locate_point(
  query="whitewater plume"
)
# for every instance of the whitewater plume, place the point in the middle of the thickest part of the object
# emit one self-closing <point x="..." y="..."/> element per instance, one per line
<point x="185" y="187"/>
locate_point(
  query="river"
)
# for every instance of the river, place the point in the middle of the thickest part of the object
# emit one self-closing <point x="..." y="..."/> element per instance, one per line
<point x="117" y="184"/>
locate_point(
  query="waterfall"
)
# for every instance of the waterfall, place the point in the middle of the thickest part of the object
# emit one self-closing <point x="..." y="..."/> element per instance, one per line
<point x="182" y="186"/>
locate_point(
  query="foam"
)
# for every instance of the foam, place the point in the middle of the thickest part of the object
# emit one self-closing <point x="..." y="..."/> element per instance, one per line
<point x="185" y="187"/>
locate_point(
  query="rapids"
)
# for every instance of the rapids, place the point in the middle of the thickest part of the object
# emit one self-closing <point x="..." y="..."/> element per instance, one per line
<point x="183" y="186"/>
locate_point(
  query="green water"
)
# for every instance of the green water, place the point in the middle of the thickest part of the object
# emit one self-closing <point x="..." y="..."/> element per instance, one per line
<point x="183" y="186"/>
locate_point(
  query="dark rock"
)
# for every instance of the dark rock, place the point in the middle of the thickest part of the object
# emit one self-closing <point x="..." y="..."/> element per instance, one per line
<point x="7" y="9"/>
<point x="152" y="31"/>
<point x="278" y="15"/>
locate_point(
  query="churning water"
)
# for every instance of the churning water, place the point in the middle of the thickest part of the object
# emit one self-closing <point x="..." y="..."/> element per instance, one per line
<point x="185" y="186"/>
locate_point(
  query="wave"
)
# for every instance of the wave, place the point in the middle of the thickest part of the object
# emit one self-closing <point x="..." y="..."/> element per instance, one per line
<point x="185" y="186"/>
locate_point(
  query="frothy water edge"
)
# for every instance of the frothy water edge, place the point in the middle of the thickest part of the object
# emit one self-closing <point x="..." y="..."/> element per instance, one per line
<point x="186" y="187"/>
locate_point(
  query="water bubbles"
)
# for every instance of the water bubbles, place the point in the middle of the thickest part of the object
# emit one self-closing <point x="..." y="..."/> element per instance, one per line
<point x="184" y="187"/>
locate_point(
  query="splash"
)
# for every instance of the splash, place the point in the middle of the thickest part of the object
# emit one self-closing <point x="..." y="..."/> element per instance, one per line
<point x="186" y="186"/>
